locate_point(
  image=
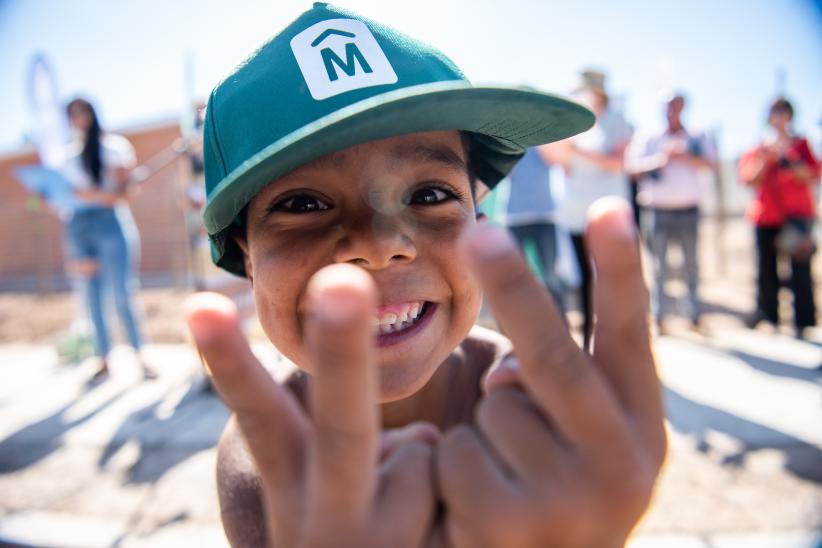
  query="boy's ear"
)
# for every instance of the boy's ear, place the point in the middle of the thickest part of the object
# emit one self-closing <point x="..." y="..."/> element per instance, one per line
<point x="241" y="241"/>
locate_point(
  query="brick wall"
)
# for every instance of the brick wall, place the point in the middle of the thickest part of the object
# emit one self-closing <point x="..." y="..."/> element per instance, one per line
<point x="31" y="250"/>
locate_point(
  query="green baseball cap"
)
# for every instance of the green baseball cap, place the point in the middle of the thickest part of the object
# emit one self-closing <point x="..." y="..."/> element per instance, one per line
<point x="333" y="79"/>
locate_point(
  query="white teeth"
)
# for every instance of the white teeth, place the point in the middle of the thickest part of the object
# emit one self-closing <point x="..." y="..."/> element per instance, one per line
<point x="391" y="322"/>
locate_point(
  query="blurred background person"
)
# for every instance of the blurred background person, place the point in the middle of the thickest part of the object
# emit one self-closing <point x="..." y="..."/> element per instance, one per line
<point x="669" y="165"/>
<point x="102" y="239"/>
<point x="782" y="171"/>
<point x="531" y="214"/>
<point x="593" y="165"/>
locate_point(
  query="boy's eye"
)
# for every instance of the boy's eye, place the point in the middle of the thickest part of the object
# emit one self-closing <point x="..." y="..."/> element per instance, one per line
<point x="430" y="195"/>
<point x="300" y="203"/>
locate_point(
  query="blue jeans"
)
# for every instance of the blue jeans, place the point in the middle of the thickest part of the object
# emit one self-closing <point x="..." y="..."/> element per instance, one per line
<point x="107" y="236"/>
<point x="664" y="226"/>
<point x="544" y="237"/>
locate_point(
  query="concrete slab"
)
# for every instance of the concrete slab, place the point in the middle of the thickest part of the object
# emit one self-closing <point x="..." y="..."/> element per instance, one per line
<point x="724" y="384"/>
<point x="668" y="541"/>
<point x="769" y="540"/>
<point x="67" y="530"/>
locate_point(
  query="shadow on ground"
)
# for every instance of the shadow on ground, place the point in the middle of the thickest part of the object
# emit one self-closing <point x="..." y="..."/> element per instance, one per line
<point x="712" y="307"/>
<point x="163" y="435"/>
<point x="164" y="440"/>
<point x="696" y="419"/>
<point x="38" y="440"/>
<point x="778" y="369"/>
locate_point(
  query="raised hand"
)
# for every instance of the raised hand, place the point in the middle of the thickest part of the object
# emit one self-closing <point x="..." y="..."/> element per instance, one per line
<point x="327" y="481"/>
<point x="567" y="446"/>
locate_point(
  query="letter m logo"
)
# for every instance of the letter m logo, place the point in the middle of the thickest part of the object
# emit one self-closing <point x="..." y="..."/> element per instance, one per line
<point x="340" y="55"/>
<point x="352" y="55"/>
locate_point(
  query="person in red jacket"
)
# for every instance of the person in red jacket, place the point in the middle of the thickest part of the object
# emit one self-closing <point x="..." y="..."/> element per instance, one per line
<point x="781" y="170"/>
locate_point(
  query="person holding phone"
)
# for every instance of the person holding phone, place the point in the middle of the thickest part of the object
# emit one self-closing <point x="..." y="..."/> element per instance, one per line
<point x="782" y="171"/>
<point x="668" y="166"/>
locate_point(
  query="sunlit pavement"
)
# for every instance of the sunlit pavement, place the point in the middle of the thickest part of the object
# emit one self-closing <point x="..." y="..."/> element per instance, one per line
<point x="131" y="463"/>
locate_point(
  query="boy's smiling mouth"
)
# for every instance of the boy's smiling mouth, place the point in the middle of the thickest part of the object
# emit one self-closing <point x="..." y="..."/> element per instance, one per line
<point x="397" y="316"/>
<point x="398" y="320"/>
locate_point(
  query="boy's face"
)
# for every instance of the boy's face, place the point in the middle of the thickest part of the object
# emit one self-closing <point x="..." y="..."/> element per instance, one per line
<point x="394" y="207"/>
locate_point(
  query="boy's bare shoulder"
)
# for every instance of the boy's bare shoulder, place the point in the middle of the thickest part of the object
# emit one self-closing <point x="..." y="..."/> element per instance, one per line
<point x="487" y="339"/>
<point x="477" y="354"/>
<point x="484" y="348"/>
<point x="238" y="484"/>
<point x="238" y="490"/>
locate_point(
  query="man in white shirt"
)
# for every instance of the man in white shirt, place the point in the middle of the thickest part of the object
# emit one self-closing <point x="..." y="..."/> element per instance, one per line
<point x="669" y="166"/>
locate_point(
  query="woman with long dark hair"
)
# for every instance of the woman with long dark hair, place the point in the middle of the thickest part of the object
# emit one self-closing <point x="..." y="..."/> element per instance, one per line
<point x="782" y="171"/>
<point x="102" y="239"/>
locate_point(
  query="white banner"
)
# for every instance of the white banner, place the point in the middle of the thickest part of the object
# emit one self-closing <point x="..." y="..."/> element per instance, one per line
<point x="50" y="127"/>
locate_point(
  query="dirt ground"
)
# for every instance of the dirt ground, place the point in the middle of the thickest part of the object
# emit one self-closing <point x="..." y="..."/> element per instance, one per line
<point x="33" y="318"/>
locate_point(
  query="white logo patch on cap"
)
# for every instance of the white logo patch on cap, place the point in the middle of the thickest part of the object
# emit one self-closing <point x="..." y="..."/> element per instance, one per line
<point x="339" y="55"/>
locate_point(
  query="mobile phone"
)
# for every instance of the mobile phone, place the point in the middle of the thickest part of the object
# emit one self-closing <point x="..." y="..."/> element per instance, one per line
<point x="694" y="147"/>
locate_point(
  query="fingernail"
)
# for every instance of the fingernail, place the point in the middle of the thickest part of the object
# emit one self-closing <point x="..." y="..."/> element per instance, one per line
<point x="506" y="373"/>
<point x="489" y="242"/>
<point x="337" y="306"/>
<point x="206" y="315"/>
<point x="340" y="293"/>
<point x="509" y="363"/>
<point x="201" y="331"/>
<point x="618" y="213"/>
<point x="424" y="432"/>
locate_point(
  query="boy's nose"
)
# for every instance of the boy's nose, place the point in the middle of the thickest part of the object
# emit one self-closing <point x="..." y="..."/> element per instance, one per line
<point x="376" y="243"/>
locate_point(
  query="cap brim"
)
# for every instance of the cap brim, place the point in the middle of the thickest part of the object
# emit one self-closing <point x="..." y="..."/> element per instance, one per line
<point x="513" y="118"/>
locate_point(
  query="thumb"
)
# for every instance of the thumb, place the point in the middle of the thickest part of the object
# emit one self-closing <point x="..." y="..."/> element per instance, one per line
<point x="392" y="440"/>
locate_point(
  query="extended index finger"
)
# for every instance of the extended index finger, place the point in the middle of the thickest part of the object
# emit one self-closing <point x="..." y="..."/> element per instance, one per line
<point x="554" y="369"/>
<point x="340" y="340"/>
<point x="270" y="419"/>
<point x="622" y="341"/>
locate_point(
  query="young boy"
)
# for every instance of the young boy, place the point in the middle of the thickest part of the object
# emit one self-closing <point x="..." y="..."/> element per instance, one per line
<point x="343" y="164"/>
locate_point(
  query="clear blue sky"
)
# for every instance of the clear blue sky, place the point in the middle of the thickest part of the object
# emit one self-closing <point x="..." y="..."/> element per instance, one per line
<point x="129" y="55"/>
